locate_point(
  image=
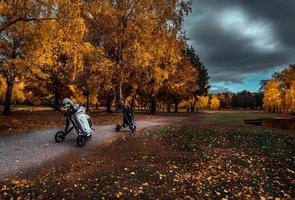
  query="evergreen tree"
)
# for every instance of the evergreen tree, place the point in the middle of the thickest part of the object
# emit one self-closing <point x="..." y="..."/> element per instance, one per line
<point x="202" y="79"/>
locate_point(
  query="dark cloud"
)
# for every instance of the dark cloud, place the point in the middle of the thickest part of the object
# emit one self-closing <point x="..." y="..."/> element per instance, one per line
<point x="235" y="38"/>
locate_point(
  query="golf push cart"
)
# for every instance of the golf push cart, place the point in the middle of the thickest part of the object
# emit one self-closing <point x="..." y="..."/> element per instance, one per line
<point x="81" y="122"/>
<point x="128" y="118"/>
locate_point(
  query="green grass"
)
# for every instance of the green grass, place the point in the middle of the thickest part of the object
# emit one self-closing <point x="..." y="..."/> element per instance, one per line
<point x="238" y="116"/>
<point x="259" y="157"/>
<point x="245" y="137"/>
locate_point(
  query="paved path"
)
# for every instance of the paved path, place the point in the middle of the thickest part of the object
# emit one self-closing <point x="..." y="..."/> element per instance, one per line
<point x="22" y="152"/>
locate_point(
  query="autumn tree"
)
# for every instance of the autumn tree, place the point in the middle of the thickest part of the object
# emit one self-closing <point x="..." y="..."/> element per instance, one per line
<point x="19" y="11"/>
<point x="161" y="68"/>
<point x="17" y="42"/>
<point x="60" y="58"/>
<point x="286" y="77"/>
<point x="272" y="96"/>
<point x="225" y="99"/>
<point x="21" y="34"/>
<point x="112" y="26"/>
<point x="2" y="90"/>
<point x="18" y="94"/>
<point x="214" y="103"/>
<point x="278" y="92"/>
<point x="137" y="40"/>
<point x="95" y="75"/>
<point x="167" y="43"/>
<point x="89" y="50"/>
<point x="181" y="84"/>
<point x="289" y="99"/>
<point x="202" y="103"/>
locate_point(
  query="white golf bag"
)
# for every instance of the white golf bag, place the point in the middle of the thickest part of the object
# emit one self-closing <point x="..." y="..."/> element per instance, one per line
<point x="82" y="119"/>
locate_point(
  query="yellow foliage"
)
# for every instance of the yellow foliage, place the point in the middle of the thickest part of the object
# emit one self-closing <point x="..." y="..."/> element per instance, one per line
<point x="80" y="98"/>
<point x="203" y="102"/>
<point x="214" y="103"/>
<point x="17" y="92"/>
<point x="272" y="100"/>
<point x="90" y="46"/>
<point x="129" y="100"/>
<point x="290" y="97"/>
<point x="2" y="89"/>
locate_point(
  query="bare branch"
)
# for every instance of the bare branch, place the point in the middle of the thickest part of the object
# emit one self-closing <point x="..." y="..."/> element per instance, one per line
<point x="14" y="21"/>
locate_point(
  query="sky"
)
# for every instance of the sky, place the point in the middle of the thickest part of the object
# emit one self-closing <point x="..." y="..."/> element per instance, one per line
<point x="242" y="41"/>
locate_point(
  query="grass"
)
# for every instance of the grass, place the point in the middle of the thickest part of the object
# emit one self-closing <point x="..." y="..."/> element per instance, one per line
<point x="249" y="162"/>
<point x="208" y="156"/>
<point x="239" y="115"/>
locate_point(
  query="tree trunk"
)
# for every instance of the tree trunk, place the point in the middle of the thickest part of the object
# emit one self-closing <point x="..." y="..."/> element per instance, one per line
<point x="153" y="105"/>
<point x="109" y="104"/>
<point x="87" y="103"/>
<point x="176" y="103"/>
<point x="109" y="108"/>
<point x="169" y="107"/>
<point x="7" y="102"/>
<point x="118" y="94"/>
<point x="193" y="107"/>
<point x="56" y="101"/>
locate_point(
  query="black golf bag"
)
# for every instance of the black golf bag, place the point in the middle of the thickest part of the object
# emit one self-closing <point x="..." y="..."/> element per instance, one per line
<point x="128" y="118"/>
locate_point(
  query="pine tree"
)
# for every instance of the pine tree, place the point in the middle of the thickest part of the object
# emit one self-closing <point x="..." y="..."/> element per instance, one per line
<point x="202" y="79"/>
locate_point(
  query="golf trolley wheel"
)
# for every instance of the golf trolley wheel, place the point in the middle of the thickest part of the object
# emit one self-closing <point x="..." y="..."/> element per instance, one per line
<point x="89" y="137"/>
<point x="81" y="140"/>
<point x="118" y="128"/>
<point x="59" y="136"/>
<point x="133" y="129"/>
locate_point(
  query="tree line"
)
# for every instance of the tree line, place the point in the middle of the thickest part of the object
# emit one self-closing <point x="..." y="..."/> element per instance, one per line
<point x="275" y="95"/>
<point x="228" y="100"/>
<point x="98" y="52"/>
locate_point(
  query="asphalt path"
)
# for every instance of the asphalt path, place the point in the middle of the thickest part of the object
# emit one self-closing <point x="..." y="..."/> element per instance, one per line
<point x="24" y="152"/>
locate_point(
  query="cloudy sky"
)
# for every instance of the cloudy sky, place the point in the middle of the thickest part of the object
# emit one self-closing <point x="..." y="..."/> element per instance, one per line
<point x="242" y="41"/>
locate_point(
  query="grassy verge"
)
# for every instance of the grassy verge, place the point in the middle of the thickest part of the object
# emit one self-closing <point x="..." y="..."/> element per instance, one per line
<point x="239" y="115"/>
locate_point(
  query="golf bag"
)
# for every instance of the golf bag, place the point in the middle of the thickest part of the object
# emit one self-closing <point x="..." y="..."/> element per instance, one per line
<point x="80" y="121"/>
<point x="128" y="118"/>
